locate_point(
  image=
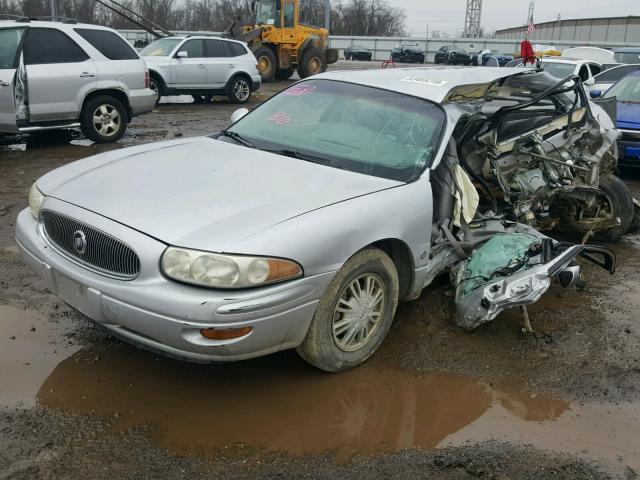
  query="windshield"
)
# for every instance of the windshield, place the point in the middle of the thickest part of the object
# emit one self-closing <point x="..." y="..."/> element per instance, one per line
<point x="266" y="13"/>
<point x="626" y="90"/>
<point x="352" y="127"/>
<point x="627" y="57"/>
<point x="9" y="42"/>
<point x="558" y="70"/>
<point x="160" y="48"/>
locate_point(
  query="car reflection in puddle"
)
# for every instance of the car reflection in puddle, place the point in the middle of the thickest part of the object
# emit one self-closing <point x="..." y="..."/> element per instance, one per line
<point x="276" y="404"/>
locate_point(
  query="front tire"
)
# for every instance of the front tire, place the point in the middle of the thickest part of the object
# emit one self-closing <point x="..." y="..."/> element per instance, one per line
<point x="239" y="90"/>
<point x="311" y="63"/>
<point x="355" y="313"/>
<point x="104" y="119"/>
<point x="156" y="86"/>
<point x="622" y="205"/>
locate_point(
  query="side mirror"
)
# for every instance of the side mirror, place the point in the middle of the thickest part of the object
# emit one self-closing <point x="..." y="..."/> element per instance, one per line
<point x="238" y="114"/>
<point x="182" y="54"/>
<point x="590" y="81"/>
<point x="595" y="93"/>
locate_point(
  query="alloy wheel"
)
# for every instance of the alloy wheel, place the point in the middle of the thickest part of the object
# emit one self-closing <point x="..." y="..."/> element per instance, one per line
<point x="106" y="120"/>
<point x="358" y="312"/>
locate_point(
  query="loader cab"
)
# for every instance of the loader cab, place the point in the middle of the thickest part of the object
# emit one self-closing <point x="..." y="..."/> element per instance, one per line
<point x="281" y="14"/>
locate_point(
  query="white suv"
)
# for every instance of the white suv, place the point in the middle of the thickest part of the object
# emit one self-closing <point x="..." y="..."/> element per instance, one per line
<point x="202" y="66"/>
<point x="63" y="74"/>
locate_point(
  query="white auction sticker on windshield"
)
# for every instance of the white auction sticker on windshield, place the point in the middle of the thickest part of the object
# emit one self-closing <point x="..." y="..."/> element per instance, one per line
<point x="425" y="81"/>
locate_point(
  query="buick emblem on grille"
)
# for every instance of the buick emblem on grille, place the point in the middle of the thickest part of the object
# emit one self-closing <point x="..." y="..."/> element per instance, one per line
<point x="79" y="242"/>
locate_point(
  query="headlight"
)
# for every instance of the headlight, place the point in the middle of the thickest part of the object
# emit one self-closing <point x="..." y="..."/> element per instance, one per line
<point x="35" y="200"/>
<point x="226" y="271"/>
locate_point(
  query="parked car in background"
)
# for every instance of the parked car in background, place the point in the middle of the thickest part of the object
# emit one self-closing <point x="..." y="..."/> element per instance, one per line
<point x="408" y="53"/>
<point x="453" y="55"/>
<point x="304" y="223"/>
<point x="202" y="66"/>
<point x="561" y="67"/>
<point x="483" y="57"/>
<point x="357" y="53"/>
<point x="627" y="54"/>
<point x="56" y="75"/>
<point x="605" y="80"/>
<point x="598" y="55"/>
<point x="627" y="95"/>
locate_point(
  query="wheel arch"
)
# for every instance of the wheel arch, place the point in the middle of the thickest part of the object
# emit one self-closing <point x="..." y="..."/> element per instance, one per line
<point x="112" y="92"/>
<point x="244" y="75"/>
<point x="402" y="258"/>
<point x="157" y="76"/>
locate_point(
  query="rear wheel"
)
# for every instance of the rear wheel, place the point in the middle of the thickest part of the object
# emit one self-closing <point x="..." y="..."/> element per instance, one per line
<point x="311" y="63"/>
<point x="267" y="63"/>
<point x="355" y="313"/>
<point x="239" y="90"/>
<point x="284" y="74"/>
<point x="103" y="119"/>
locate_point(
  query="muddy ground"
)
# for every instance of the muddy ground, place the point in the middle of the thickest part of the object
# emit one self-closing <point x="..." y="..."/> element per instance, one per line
<point x="434" y="402"/>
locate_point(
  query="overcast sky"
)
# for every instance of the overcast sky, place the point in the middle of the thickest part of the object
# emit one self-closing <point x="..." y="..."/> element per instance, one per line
<point x="496" y="14"/>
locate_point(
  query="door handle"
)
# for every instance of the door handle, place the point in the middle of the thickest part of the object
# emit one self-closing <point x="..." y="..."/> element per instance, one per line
<point x="4" y="84"/>
<point x="200" y="66"/>
<point x="87" y="75"/>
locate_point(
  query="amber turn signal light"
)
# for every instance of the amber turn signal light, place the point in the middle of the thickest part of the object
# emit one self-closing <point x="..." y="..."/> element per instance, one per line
<point x="225" y="333"/>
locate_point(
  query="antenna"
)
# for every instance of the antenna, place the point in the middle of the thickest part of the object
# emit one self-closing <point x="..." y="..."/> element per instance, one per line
<point x="532" y="7"/>
<point x="472" y="19"/>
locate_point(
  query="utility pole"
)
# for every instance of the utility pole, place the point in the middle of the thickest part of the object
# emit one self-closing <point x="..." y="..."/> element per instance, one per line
<point x="52" y="8"/>
<point x="327" y="14"/>
<point x="472" y="19"/>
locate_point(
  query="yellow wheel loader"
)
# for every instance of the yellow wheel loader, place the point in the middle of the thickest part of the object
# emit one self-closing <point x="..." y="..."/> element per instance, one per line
<point x="283" y="45"/>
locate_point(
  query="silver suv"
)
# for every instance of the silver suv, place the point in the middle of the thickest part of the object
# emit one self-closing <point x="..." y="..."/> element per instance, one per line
<point x="202" y="66"/>
<point x="65" y="75"/>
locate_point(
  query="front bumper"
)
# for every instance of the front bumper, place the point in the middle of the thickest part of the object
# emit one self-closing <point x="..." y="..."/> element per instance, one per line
<point x="141" y="101"/>
<point x="164" y="316"/>
<point x="256" y="82"/>
<point x="629" y="149"/>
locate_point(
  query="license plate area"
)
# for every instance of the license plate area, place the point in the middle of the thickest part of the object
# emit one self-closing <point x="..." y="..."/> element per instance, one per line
<point x="72" y="293"/>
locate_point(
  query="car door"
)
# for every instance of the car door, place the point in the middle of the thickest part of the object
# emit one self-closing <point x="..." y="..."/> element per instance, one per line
<point x="10" y="40"/>
<point x="58" y="71"/>
<point x="220" y="63"/>
<point x="190" y="71"/>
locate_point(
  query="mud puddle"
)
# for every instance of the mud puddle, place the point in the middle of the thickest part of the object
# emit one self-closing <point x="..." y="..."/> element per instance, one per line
<point x="279" y="404"/>
<point x="30" y="348"/>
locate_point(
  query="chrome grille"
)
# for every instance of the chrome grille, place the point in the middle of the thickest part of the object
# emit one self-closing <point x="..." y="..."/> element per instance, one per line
<point x="90" y="247"/>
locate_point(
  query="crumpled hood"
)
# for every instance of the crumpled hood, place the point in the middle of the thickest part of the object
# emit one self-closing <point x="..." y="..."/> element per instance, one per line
<point x="629" y="115"/>
<point x="202" y="193"/>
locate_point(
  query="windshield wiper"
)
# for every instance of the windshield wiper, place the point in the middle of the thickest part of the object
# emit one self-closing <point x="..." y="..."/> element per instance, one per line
<point x="300" y="156"/>
<point x="238" y="138"/>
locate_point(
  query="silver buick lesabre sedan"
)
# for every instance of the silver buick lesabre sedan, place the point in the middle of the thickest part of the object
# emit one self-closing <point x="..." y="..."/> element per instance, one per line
<point x="304" y="223"/>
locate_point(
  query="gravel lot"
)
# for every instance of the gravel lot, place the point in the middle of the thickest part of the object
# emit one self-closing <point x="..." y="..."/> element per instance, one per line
<point x="434" y="402"/>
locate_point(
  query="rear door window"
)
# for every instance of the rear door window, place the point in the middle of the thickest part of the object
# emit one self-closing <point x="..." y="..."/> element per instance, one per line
<point x="236" y="49"/>
<point x="10" y="39"/>
<point x="47" y="45"/>
<point x="218" y="49"/>
<point x="108" y="43"/>
<point x="615" y="74"/>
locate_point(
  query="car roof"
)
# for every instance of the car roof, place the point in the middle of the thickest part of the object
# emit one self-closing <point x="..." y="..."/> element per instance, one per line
<point x="202" y="37"/>
<point x="430" y="83"/>
<point x="568" y="60"/>
<point x="50" y="24"/>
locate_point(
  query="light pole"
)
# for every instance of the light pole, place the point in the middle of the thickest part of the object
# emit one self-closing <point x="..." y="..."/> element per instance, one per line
<point x="327" y="14"/>
<point x="52" y="8"/>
